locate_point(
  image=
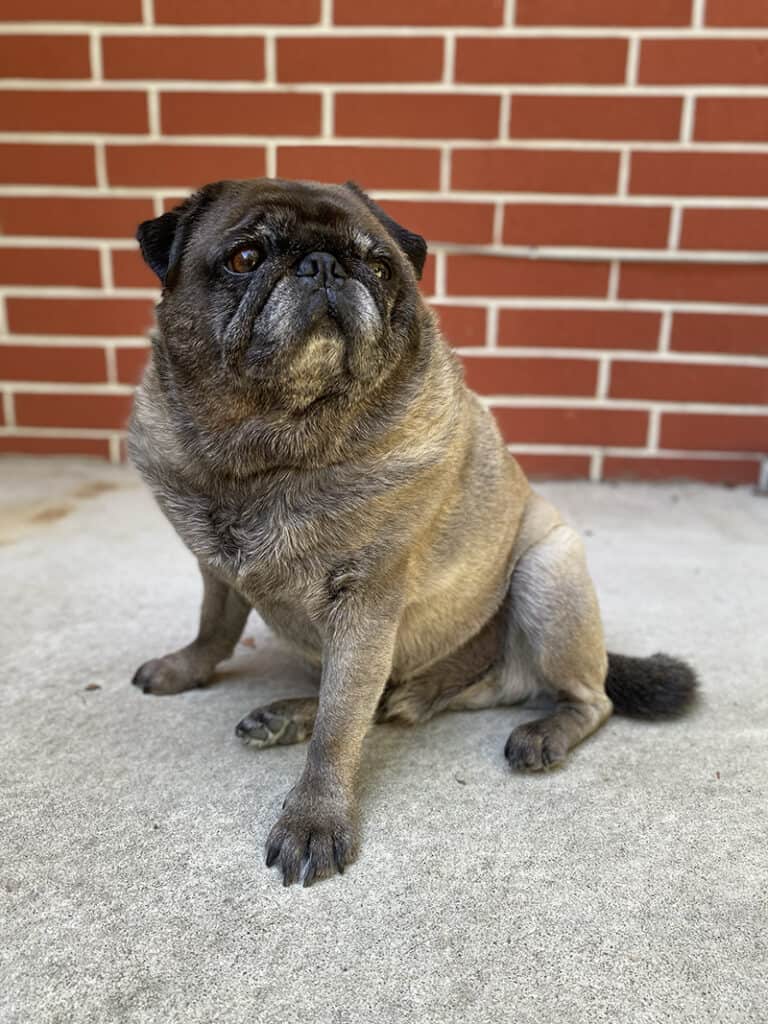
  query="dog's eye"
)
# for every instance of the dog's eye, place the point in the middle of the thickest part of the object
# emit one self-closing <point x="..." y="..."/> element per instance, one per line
<point x="380" y="269"/>
<point x="243" y="261"/>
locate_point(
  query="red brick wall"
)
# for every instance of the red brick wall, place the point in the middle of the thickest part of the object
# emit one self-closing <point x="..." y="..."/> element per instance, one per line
<point x="592" y="176"/>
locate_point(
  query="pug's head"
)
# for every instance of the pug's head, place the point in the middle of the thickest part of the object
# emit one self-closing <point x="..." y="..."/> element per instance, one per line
<point x="283" y="292"/>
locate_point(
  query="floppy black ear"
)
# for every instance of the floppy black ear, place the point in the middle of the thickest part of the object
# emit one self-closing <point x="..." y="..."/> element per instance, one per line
<point x="156" y="238"/>
<point x="162" y="239"/>
<point x="413" y="245"/>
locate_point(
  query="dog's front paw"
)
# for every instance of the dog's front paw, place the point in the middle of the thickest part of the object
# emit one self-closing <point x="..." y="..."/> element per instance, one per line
<point x="172" y="674"/>
<point x="313" y="838"/>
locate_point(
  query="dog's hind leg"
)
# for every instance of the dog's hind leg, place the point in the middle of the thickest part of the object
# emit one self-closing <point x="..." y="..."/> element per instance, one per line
<point x="556" y="633"/>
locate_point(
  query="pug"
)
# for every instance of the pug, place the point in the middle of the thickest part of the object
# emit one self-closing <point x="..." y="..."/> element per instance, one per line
<point x="308" y="432"/>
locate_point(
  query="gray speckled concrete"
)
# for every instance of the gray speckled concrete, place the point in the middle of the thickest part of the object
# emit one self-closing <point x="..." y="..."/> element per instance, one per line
<point x="629" y="887"/>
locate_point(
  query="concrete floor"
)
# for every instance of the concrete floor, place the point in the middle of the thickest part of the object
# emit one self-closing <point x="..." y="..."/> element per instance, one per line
<point x="629" y="887"/>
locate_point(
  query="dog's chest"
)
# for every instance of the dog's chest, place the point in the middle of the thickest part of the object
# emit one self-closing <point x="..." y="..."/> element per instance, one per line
<point x="265" y="543"/>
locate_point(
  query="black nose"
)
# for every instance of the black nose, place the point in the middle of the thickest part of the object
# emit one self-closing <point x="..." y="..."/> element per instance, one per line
<point x="324" y="268"/>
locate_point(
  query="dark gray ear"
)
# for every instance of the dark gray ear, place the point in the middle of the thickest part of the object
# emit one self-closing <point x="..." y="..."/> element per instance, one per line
<point x="156" y="238"/>
<point x="413" y="245"/>
<point x="162" y="239"/>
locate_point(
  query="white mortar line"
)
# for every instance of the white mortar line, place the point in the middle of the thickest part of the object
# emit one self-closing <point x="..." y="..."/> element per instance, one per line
<point x="438" y="86"/>
<point x="622" y="187"/>
<point x="105" y="266"/>
<point x="114" y="448"/>
<point x="326" y="15"/>
<point x="687" y="119"/>
<point x="665" y="331"/>
<point x="498" y="223"/>
<point x="654" y="426"/>
<point x="440" y="274"/>
<point x="449" y="58"/>
<point x="596" y="466"/>
<point x="147" y="12"/>
<point x="110" y="358"/>
<point x="675" y="226"/>
<point x="492" y="326"/>
<point x="327" y="114"/>
<point x="510" y="12"/>
<point x="153" y="114"/>
<point x="270" y="60"/>
<point x="445" y="169"/>
<point x="603" y="377"/>
<point x="270" y="160"/>
<point x="421" y="195"/>
<point x="613" y="280"/>
<point x="94" y="50"/>
<point x="9" y="412"/>
<point x="699" y="10"/>
<point x="633" y="59"/>
<point x="100" y="159"/>
<point x="505" y="109"/>
<point x="315" y="30"/>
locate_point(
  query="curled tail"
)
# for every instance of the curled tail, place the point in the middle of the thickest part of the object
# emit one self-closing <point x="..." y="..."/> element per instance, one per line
<point x="655" y="687"/>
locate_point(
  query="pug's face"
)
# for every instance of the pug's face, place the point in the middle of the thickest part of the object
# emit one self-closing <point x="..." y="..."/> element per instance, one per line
<point x="288" y="292"/>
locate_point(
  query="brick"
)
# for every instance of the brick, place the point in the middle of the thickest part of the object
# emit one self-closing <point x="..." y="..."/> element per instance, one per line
<point x="714" y="471"/>
<point x="77" y="218"/>
<point x="708" y="174"/>
<point x="708" y="432"/>
<point x="52" y="363"/>
<point x="462" y="325"/>
<point x="727" y="119"/>
<point x="535" y="170"/>
<point x="694" y="282"/>
<point x="426" y="12"/>
<point x="223" y="113"/>
<point x="130" y="271"/>
<point x="595" y="117"/>
<point x="364" y="59"/>
<point x="72" y="10"/>
<point x="237" y="12"/>
<point x="578" y="328"/>
<point x="185" y="57"/>
<point x="665" y="381"/>
<point x="554" y="467"/>
<point x="27" y="266"/>
<point x="73" y="111"/>
<point x="444" y="221"/>
<point x="535" y="61"/>
<point x="383" y="167"/>
<point x="109" y="317"/>
<point x="18" y="444"/>
<point x="725" y="229"/>
<point x="44" y="56"/>
<point x="427" y="282"/>
<point x="715" y="332"/>
<point x="76" y="410"/>
<point x="573" y="426"/>
<point x="130" y="364"/>
<point x="22" y="164"/>
<point x="604" y="12"/>
<point x="182" y="166"/>
<point x="417" y="115"/>
<point x="556" y="224"/>
<point x="703" y="61"/>
<point x="522" y="375"/>
<point x="499" y="275"/>
<point x="737" y="13"/>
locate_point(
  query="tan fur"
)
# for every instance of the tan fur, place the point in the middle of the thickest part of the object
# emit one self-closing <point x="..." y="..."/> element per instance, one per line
<point x="392" y="539"/>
